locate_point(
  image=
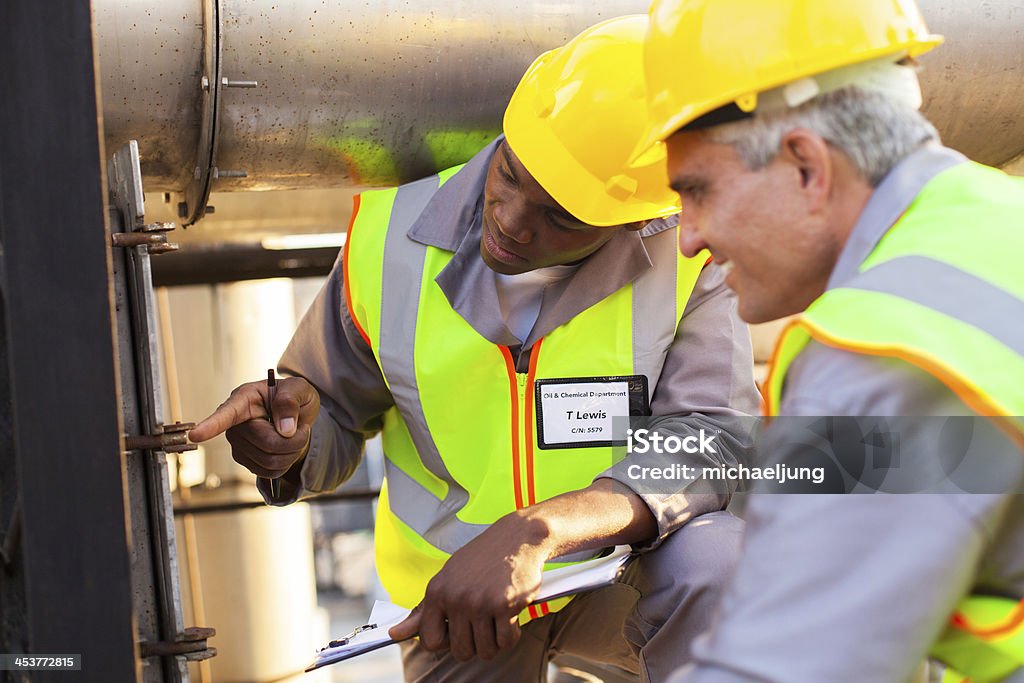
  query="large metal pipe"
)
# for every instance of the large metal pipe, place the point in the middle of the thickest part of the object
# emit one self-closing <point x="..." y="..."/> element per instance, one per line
<point x="974" y="83"/>
<point x="348" y="93"/>
<point x="354" y="94"/>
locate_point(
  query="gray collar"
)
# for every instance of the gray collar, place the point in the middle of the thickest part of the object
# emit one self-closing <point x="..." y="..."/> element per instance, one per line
<point x="454" y="210"/>
<point x="452" y="221"/>
<point x="887" y="203"/>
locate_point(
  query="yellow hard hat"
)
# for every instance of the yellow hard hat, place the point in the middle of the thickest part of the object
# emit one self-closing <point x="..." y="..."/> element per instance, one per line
<point x="713" y="57"/>
<point x="575" y="119"/>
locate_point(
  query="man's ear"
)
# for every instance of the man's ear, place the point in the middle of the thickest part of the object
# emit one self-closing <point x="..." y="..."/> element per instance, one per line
<point x="810" y="157"/>
<point x="633" y="227"/>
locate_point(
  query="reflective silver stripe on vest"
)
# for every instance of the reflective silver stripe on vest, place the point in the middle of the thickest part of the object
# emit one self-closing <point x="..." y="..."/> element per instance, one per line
<point x="419" y="509"/>
<point x="965" y="297"/>
<point x="654" y="308"/>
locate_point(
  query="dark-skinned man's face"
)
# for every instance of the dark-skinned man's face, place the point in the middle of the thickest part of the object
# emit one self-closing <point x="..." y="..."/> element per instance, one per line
<point x="524" y="228"/>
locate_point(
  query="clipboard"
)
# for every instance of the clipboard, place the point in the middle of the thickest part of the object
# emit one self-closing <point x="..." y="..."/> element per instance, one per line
<point x="601" y="571"/>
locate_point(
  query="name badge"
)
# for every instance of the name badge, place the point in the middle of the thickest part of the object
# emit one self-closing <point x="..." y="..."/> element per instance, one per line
<point x="577" y="412"/>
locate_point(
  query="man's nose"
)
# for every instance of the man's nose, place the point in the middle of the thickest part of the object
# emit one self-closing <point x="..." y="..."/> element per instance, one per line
<point x="510" y="218"/>
<point x="690" y="240"/>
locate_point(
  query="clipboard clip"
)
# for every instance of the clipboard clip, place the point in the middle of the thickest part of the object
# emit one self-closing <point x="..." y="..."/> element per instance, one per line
<point x="344" y="640"/>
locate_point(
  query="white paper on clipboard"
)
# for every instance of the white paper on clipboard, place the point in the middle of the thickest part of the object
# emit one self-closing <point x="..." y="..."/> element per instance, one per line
<point x="556" y="583"/>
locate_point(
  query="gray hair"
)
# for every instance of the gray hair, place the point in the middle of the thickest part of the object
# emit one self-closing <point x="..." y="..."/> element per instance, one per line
<point x="874" y="131"/>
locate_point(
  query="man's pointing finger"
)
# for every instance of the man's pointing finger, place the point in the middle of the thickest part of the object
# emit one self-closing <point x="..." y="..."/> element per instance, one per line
<point x="243" y="405"/>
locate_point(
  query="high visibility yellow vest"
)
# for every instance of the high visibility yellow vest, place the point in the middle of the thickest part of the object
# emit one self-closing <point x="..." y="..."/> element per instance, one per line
<point x="943" y="290"/>
<point x="460" y="443"/>
<point x="984" y="642"/>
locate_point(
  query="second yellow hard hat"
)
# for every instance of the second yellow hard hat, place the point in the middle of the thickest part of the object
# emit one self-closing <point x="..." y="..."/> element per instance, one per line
<point x="703" y="55"/>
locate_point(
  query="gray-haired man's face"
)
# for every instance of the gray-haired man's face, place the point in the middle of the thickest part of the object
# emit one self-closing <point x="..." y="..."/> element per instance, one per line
<point x="760" y="226"/>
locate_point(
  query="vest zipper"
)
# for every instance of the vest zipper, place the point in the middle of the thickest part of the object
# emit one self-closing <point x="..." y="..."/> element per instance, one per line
<point x="520" y="386"/>
<point x="525" y="451"/>
<point x="527" y="393"/>
<point x="516" y="391"/>
<point x="526" y="468"/>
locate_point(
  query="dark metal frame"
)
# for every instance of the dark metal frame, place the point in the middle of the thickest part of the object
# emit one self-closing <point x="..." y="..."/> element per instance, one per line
<point x="63" y="397"/>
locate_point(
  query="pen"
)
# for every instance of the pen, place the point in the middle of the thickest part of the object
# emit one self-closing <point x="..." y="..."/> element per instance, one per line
<point x="275" y="485"/>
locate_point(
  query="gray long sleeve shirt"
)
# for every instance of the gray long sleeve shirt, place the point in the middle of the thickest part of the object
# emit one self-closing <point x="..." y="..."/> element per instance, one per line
<point x="855" y="588"/>
<point x="706" y="380"/>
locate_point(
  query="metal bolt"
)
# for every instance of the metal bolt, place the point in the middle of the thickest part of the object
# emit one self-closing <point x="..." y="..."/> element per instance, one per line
<point x="173" y="439"/>
<point x="157" y="249"/>
<point x="158" y="227"/>
<point x="228" y="83"/>
<point x="191" y="644"/>
<point x="217" y="173"/>
<point x="136" y="239"/>
<point x="209" y="210"/>
<point x="174" y="444"/>
<point x="204" y="82"/>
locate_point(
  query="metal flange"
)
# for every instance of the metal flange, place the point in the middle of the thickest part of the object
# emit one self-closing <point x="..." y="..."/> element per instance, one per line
<point x="198" y="191"/>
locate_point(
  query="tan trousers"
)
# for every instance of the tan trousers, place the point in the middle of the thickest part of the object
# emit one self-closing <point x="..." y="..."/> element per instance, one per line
<point x="643" y="625"/>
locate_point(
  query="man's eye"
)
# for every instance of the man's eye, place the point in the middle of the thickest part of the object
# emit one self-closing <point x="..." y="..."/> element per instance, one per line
<point x="693" y="192"/>
<point x="558" y="222"/>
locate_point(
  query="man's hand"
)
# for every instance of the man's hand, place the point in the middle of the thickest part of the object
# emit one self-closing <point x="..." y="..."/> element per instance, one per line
<point x="472" y="605"/>
<point x="265" y="450"/>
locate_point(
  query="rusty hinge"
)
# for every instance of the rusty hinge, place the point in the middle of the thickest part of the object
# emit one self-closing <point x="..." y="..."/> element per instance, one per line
<point x="172" y="438"/>
<point x="153" y="236"/>
<point x="190" y="644"/>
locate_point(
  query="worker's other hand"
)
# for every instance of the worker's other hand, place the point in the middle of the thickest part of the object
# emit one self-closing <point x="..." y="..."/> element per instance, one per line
<point x="265" y="450"/>
<point x="471" y="606"/>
